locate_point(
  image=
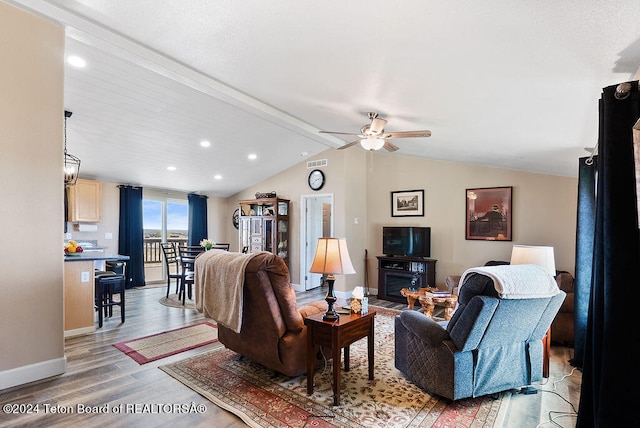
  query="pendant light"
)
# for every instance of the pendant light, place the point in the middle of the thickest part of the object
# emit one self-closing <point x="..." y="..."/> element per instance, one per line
<point x="71" y="163"/>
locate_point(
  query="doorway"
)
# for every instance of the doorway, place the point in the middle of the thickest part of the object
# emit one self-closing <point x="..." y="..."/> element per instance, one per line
<point x="316" y="222"/>
<point x="164" y="220"/>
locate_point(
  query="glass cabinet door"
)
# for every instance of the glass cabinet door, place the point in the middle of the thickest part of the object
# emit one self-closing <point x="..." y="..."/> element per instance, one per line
<point x="283" y="239"/>
<point x="268" y="235"/>
<point x="245" y="233"/>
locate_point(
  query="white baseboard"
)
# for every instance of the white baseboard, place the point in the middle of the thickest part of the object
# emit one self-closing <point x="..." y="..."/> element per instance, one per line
<point x="32" y="372"/>
<point x="297" y="287"/>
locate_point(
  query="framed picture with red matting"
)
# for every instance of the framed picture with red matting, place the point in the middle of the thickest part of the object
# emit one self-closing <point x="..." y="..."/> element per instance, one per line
<point x="488" y="215"/>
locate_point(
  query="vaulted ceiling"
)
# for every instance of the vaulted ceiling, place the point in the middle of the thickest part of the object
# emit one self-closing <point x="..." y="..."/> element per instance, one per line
<point x="498" y="83"/>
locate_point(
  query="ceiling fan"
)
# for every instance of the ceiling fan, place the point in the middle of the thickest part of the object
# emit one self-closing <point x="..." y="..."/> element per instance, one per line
<point x="373" y="137"/>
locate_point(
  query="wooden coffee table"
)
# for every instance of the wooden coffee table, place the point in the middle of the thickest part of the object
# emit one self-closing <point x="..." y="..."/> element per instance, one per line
<point x="337" y="335"/>
<point x="428" y="300"/>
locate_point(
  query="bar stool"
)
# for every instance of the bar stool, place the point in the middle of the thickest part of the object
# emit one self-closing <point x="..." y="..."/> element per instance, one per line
<point x="106" y="285"/>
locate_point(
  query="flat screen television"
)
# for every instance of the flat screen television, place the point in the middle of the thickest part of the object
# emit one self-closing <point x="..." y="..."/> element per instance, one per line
<point x="406" y="241"/>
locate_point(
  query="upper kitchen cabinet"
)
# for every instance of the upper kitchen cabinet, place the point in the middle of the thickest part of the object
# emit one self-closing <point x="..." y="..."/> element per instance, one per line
<point x="85" y="201"/>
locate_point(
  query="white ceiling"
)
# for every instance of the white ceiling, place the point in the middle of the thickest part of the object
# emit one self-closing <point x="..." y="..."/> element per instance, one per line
<point x="499" y="83"/>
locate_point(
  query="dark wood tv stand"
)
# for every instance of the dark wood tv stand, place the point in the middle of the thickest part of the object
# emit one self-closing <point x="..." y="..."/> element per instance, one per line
<point x="396" y="273"/>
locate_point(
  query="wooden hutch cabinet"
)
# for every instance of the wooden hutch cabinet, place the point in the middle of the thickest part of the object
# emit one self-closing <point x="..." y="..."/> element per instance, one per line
<point x="264" y="226"/>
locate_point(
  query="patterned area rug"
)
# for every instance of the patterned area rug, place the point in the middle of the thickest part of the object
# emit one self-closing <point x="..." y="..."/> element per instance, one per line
<point x="150" y="348"/>
<point x="262" y="398"/>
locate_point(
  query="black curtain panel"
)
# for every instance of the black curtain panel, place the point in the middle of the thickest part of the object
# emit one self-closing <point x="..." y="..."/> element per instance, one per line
<point x="610" y="374"/>
<point x="585" y="228"/>
<point x="197" y="218"/>
<point x="131" y="234"/>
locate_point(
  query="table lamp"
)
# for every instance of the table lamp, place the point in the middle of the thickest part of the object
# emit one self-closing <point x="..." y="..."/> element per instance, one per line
<point x="534" y="255"/>
<point x="332" y="257"/>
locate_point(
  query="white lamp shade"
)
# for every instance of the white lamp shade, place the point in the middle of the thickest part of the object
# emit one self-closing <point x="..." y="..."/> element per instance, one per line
<point x="332" y="257"/>
<point x="372" y="143"/>
<point x="534" y="255"/>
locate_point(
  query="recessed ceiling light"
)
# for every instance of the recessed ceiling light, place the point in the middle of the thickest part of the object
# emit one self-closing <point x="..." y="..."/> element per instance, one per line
<point x="217" y="177"/>
<point x="171" y="168"/>
<point x="205" y="143"/>
<point x="76" y="61"/>
<point x="253" y="156"/>
<point x="303" y="154"/>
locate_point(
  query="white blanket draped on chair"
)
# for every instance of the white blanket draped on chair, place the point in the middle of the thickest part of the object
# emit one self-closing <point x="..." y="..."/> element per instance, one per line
<point x="517" y="281"/>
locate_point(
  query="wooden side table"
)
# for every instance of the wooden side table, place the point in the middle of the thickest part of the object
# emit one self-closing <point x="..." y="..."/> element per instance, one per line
<point x="337" y="335"/>
<point x="546" y="352"/>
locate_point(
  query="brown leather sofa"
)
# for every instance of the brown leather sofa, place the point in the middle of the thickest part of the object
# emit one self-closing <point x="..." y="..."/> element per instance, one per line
<point x="273" y="333"/>
<point x="563" y="324"/>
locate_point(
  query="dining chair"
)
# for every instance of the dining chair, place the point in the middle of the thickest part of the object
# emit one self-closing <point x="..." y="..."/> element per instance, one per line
<point x="221" y="246"/>
<point x="173" y="265"/>
<point x="187" y="255"/>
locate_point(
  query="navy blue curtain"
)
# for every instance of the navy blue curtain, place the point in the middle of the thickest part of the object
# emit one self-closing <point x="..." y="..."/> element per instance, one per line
<point x="610" y="374"/>
<point x="585" y="225"/>
<point x="131" y="234"/>
<point x="197" y="218"/>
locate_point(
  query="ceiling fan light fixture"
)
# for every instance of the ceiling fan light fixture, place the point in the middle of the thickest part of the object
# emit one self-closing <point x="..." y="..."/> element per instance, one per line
<point x="372" y="136"/>
<point x="372" y="143"/>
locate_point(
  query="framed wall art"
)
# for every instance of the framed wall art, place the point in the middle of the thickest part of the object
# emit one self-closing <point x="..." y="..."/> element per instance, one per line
<point x="489" y="214"/>
<point x="407" y="203"/>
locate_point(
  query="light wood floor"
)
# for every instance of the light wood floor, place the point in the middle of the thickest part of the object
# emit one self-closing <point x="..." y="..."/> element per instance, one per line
<point x="98" y="373"/>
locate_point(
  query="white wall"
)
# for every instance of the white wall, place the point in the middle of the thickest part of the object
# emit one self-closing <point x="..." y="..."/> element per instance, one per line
<point x="31" y="147"/>
<point x="544" y="209"/>
<point x="219" y="222"/>
<point x="347" y="185"/>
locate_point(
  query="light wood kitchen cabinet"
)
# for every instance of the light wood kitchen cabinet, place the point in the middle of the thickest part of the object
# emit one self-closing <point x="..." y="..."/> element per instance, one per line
<point x="85" y="201"/>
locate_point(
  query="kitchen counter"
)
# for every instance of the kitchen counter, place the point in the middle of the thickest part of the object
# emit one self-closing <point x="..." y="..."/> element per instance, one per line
<point x="94" y="255"/>
<point x="79" y="290"/>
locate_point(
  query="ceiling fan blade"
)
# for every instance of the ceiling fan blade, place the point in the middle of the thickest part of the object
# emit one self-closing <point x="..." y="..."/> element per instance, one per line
<point x="353" y="143"/>
<point x="407" y="134"/>
<point x="377" y="125"/>
<point x="389" y="146"/>
<point x="337" y="133"/>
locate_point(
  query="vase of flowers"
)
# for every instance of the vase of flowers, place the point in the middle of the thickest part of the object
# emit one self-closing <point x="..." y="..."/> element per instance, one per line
<point x="207" y="244"/>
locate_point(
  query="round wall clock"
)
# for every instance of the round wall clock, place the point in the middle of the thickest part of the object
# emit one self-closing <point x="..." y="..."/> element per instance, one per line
<point x="236" y="218"/>
<point x="316" y="179"/>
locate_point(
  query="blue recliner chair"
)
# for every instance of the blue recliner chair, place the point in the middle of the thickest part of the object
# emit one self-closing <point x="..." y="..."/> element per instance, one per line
<point x="491" y="344"/>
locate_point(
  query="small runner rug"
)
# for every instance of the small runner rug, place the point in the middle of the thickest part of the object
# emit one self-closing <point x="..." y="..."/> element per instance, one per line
<point x="175" y="301"/>
<point x="150" y="348"/>
<point x="263" y="398"/>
